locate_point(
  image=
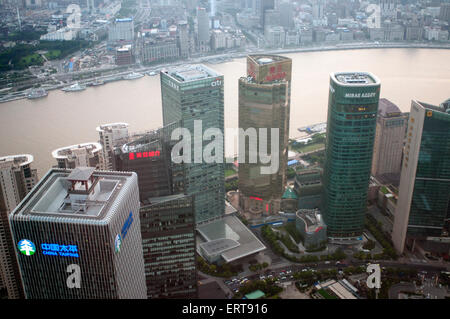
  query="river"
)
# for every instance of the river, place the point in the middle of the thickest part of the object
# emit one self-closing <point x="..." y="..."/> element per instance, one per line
<point x="39" y="126"/>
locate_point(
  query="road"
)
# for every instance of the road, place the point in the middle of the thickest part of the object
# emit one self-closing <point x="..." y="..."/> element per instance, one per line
<point x="284" y="273"/>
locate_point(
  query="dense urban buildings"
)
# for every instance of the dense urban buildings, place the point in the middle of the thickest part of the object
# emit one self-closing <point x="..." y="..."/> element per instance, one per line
<point x="168" y="243"/>
<point x="351" y="126"/>
<point x="124" y="55"/>
<point x="83" y="222"/>
<point x="17" y="178"/>
<point x="423" y="206"/>
<point x="121" y="31"/>
<point x="388" y="8"/>
<point x="389" y="138"/>
<point x="111" y="135"/>
<point x="264" y="103"/>
<point x="194" y="95"/>
<point x="86" y="154"/>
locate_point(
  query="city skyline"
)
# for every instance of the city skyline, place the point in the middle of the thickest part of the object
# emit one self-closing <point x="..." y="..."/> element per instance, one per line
<point x="224" y="149"/>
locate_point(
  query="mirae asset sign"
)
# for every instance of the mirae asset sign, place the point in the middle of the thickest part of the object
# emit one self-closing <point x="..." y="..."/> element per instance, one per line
<point x="360" y="95"/>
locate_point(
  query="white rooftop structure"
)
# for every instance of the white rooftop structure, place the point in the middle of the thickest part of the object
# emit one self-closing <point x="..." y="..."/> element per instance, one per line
<point x="19" y="160"/>
<point x="67" y="151"/>
<point x="189" y="73"/>
<point x="229" y="238"/>
<point x="342" y="289"/>
<point x="79" y="193"/>
<point x="355" y="78"/>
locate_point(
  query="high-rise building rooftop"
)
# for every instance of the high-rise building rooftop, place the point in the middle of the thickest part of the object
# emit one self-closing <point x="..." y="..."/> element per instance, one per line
<point x="81" y="193"/>
<point x="68" y="151"/>
<point x="355" y="78"/>
<point x="262" y="59"/>
<point x="388" y="109"/>
<point x="191" y="73"/>
<point x="18" y="160"/>
<point x="111" y="126"/>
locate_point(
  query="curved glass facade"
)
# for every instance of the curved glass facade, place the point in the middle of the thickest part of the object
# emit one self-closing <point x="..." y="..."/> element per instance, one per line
<point x="352" y="112"/>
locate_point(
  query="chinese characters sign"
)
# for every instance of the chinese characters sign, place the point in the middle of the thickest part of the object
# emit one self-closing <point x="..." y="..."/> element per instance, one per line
<point x="60" y="250"/>
<point x="276" y="73"/>
<point x="136" y="155"/>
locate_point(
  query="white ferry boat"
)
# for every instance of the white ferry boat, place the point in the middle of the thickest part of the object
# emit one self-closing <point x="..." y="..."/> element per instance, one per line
<point x="133" y="76"/>
<point x="37" y="93"/>
<point x="74" y="88"/>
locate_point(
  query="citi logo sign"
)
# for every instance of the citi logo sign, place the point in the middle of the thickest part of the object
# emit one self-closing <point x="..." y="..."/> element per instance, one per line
<point x="331" y="89"/>
<point x="216" y="83"/>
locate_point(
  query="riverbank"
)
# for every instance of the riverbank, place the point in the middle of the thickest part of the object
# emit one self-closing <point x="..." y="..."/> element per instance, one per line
<point x="227" y="57"/>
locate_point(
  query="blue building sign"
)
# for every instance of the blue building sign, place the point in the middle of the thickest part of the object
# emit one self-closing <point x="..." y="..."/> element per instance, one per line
<point x="126" y="226"/>
<point x="60" y="250"/>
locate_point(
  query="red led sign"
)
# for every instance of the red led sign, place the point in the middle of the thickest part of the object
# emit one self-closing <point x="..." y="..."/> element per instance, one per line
<point x="132" y="156"/>
<point x="256" y="198"/>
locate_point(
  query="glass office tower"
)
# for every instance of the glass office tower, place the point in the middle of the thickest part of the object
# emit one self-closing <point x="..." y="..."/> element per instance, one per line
<point x="352" y="115"/>
<point x="81" y="219"/>
<point x="264" y="103"/>
<point x="423" y="205"/>
<point x="168" y="242"/>
<point x="149" y="156"/>
<point x="195" y="93"/>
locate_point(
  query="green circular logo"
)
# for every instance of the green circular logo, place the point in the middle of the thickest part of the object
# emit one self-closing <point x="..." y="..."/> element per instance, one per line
<point x="26" y="247"/>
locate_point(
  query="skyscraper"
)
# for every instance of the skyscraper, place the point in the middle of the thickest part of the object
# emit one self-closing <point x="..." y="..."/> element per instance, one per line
<point x="203" y="30"/>
<point x="390" y="134"/>
<point x="264" y="103"/>
<point x="149" y="156"/>
<point x="183" y="39"/>
<point x="213" y="8"/>
<point x="121" y="30"/>
<point x="195" y="93"/>
<point x="86" y="154"/>
<point x="77" y="235"/>
<point x="90" y="5"/>
<point x="111" y="135"/>
<point x="262" y="6"/>
<point x="286" y="15"/>
<point x="168" y="242"/>
<point x="388" y="8"/>
<point x="351" y="125"/>
<point x="423" y="205"/>
<point x="317" y="9"/>
<point x="17" y="178"/>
